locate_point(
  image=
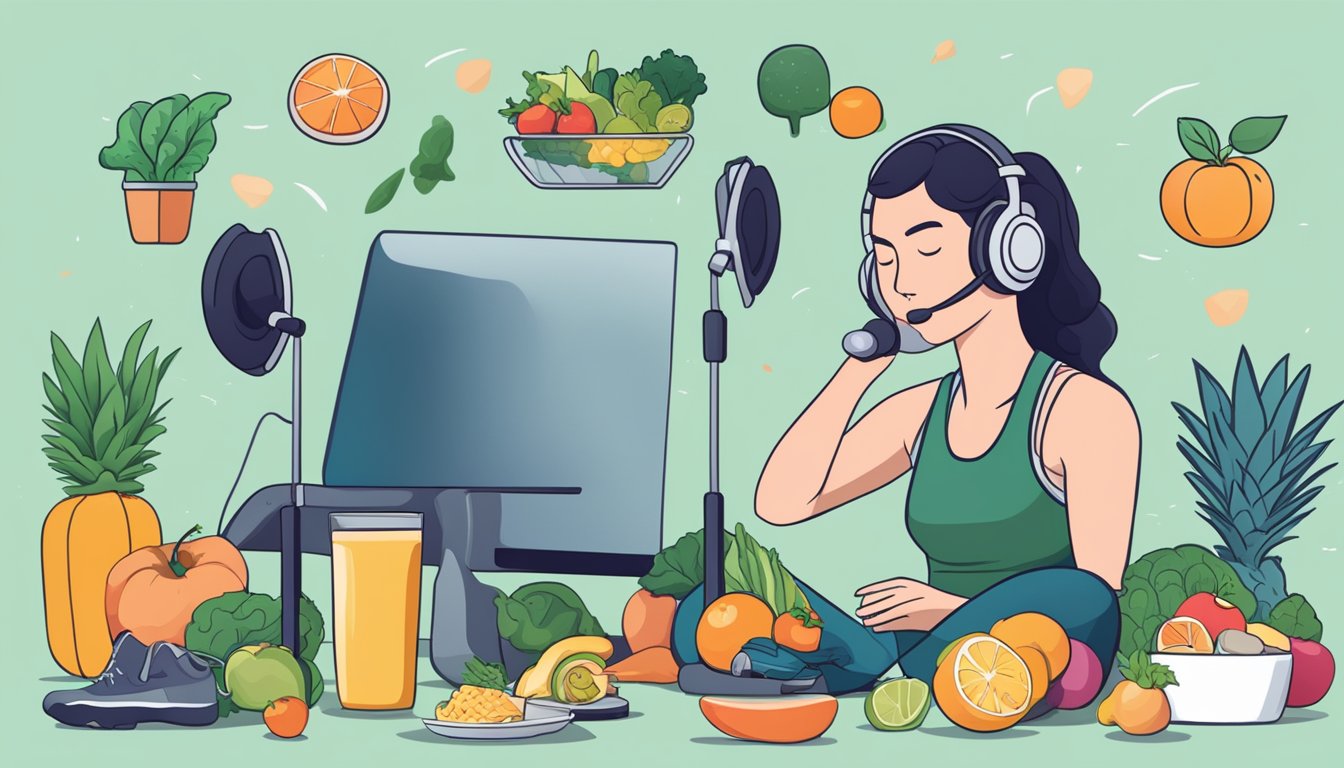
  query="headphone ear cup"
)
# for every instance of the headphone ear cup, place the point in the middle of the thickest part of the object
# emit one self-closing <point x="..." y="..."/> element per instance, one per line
<point x="985" y="254"/>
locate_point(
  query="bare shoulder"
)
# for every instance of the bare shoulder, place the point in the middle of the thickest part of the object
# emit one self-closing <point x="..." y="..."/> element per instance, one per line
<point x="1082" y="404"/>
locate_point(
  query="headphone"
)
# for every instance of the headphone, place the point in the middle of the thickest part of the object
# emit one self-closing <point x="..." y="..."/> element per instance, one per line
<point x="1007" y="248"/>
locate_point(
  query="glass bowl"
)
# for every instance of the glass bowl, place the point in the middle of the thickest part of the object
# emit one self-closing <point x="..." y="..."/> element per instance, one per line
<point x="599" y="161"/>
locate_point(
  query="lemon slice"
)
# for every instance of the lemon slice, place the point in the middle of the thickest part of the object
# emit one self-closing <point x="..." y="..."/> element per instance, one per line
<point x="674" y="118"/>
<point x="898" y="705"/>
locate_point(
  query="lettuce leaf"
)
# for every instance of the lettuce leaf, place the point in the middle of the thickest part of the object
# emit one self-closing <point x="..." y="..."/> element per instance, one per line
<point x="1295" y="617"/>
<point x="221" y="625"/>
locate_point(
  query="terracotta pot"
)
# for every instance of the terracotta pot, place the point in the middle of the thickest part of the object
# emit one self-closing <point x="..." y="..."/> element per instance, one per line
<point x="159" y="212"/>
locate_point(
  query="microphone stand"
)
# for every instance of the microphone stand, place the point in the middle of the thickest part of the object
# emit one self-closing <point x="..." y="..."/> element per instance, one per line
<point x="291" y="551"/>
<point x="715" y="332"/>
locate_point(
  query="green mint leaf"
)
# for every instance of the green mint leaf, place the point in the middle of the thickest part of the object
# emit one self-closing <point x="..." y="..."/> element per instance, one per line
<point x="1199" y="139"/>
<point x="1255" y="133"/>
<point x="384" y="192"/>
<point x="1224" y="154"/>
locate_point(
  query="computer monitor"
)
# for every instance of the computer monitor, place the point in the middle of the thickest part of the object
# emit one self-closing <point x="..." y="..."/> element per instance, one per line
<point x="510" y="361"/>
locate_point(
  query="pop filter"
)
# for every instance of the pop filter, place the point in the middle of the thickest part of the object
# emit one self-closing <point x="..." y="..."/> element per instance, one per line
<point x="246" y="296"/>
<point x="749" y="222"/>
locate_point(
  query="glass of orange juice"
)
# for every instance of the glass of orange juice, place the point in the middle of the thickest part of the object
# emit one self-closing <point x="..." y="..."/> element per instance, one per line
<point x="375" y="575"/>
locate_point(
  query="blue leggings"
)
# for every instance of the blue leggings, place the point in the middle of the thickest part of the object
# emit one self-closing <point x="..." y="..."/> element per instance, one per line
<point x="853" y="657"/>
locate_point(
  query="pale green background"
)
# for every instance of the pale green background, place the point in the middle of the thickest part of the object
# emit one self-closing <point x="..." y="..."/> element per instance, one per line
<point x="70" y="69"/>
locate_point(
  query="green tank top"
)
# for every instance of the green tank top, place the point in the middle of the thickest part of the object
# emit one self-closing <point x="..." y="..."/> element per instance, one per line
<point x="982" y="520"/>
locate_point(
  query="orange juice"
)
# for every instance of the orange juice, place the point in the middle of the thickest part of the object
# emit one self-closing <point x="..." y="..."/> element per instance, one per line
<point x="375" y="573"/>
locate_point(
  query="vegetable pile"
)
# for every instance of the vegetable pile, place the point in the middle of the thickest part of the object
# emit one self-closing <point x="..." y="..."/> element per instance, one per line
<point x="654" y="98"/>
<point x="748" y="567"/>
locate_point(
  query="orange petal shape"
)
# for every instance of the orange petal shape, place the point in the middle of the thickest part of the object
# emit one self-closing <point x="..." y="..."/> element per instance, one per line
<point x="1073" y="84"/>
<point x="1227" y="307"/>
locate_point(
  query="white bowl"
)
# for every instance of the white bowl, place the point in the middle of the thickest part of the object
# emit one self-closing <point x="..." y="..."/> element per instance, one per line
<point x="1227" y="689"/>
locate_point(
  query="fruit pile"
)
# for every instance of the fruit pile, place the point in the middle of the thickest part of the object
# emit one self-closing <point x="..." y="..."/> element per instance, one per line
<point x="1208" y="624"/>
<point x="990" y="681"/>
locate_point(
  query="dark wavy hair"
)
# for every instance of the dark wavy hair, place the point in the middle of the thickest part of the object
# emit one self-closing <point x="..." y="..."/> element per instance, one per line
<point x="1061" y="313"/>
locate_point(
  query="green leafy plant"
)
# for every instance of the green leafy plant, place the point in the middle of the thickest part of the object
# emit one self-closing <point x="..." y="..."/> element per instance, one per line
<point x="637" y="100"/>
<point x="674" y="78"/>
<point x="484" y="674"/>
<point x="536" y="616"/>
<point x="1155" y="585"/>
<point x="1249" y="136"/>
<point x="1253" y="469"/>
<point x="749" y="567"/>
<point x="223" y="624"/>
<point x="428" y="167"/>
<point x="1139" y="669"/>
<point x="103" y="420"/>
<point x="680" y="568"/>
<point x="1295" y="617"/>
<point x="167" y="141"/>
<point x="794" y="82"/>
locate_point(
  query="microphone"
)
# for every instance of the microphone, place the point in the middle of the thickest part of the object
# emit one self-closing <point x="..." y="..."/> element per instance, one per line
<point x="879" y="337"/>
<point x="917" y="316"/>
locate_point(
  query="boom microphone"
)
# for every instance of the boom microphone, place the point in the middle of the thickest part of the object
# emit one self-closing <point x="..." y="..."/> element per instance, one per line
<point x="880" y="338"/>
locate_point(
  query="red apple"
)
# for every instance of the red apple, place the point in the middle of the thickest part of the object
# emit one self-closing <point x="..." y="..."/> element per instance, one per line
<point x="1215" y="613"/>
<point x="1313" y="672"/>
<point x="579" y="120"/>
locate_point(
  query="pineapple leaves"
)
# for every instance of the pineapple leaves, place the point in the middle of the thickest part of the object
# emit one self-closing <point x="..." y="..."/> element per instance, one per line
<point x="103" y="419"/>
<point x="1248" y="414"/>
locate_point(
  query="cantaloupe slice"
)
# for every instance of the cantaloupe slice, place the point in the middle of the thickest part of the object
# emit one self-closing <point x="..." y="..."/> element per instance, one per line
<point x="252" y="190"/>
<point x="474" y="75"/>
<point x="1227" y="307"/>
<point x="1073" y="84"/>
<point x="778" y="720"/>
<point x="945" y="50"/>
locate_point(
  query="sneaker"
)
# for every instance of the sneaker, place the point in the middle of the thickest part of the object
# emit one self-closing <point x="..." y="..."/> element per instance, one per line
<point x="162" y="683"/>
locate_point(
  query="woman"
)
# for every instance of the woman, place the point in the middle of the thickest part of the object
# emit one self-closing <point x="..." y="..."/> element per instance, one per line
<point x="1024" y="461"/>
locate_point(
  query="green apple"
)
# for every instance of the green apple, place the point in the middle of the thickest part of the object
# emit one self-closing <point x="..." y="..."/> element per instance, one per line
<point x="256" y="675"/>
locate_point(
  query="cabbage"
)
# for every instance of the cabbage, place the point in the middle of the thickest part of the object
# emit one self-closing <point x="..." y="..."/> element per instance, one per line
<point x="1156" y="584"/>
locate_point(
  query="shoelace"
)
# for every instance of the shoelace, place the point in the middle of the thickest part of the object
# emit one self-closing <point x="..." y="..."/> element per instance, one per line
<point x="112" y="672"/>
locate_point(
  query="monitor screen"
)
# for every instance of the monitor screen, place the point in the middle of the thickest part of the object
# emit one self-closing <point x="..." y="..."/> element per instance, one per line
<point x="503" y="361"/>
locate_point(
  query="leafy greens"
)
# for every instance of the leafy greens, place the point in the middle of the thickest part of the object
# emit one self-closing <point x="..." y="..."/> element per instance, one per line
<point x="167" y="141"/>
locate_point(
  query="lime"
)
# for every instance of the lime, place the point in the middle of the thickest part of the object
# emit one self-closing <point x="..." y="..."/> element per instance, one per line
<point x="674" y="118"/>
<point x="897" y="705"/>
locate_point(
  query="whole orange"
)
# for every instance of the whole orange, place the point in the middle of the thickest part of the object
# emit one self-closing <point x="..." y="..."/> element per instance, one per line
<point x="1036" y="630"/>
<point x="727" y="624"/>
<point x="1217" y="205"/>
<point x="286" y="717"/>
<point x="856" y="112"/>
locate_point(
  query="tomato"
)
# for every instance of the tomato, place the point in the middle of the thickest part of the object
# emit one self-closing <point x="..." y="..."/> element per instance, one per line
<point x="579" y="120"/>
<point x="799" y="630"/>
<point x="537" y="119"/>
<point x="286" y="717"/>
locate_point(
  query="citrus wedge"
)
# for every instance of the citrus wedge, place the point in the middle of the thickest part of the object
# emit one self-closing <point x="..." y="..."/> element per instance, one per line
<point x="897" y="705"/>
<point x="1184" y="635"/>
<point x="338" y="99"/>
<point x="984" y="685"/>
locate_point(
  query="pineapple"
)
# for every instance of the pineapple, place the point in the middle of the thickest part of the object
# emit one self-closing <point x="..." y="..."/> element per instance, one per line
<point x="1252" y="470"/>
<point x="102" y="422"/>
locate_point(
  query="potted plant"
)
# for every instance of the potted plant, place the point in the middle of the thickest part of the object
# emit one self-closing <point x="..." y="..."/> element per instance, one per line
<point x="102" y="422"/>
<point x="161" y="147"/>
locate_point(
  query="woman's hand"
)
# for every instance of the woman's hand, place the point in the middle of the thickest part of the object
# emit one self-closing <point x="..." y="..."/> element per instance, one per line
<point x="904" y="604"/>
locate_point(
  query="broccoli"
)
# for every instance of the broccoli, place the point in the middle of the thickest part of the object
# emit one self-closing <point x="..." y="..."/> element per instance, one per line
<point x="794" y="83"/>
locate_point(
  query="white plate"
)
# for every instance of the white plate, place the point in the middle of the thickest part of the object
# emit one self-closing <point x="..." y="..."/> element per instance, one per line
<point x="538" y="720"/>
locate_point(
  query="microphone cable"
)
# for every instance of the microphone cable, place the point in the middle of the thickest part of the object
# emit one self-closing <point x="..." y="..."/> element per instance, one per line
<point x="219" y="530"/>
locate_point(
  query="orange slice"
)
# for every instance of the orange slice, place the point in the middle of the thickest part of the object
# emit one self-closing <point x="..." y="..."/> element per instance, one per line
<point x="338" y="99"/>
<point x="1184" y="635"/>
<point x="984" y="685"/>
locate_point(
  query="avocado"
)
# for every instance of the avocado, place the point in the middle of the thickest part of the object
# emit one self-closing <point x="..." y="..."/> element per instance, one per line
<point x="581" y="661"/>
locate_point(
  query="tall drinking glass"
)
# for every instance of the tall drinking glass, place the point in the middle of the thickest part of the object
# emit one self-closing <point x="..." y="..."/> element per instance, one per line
<point x="375" y="575"/>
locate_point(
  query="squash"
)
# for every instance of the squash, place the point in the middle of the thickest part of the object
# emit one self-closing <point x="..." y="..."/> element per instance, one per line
<point x="82" y="538"/>
<point x="153" y="591"/>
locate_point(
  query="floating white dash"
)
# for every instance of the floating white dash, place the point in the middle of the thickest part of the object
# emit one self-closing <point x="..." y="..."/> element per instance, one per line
<point x="1036" y="94"/>
<point x="1149" y="258"/>
<point x="260" y="127"/>
<point x="678" y="199"/>
<point x="316" y="197"/>
<point x="1154" y="355"/>
<point x="1329" y="549"/>
<point x="77" y="240"/>
<point x="193" y="74"/>
<point x="1006" y="56"/>
<point x="1302" y="224"/>
<point x="1151" y="514"/>
<point x="1077" y="169"/>
<point x="443" y="55"/>
<point x="107" y="119"/>
<point x="1171" y="506"/>
<point x="1307" y="331"/>
<point x="799" y="292"/>
<point x="212" y="400"/>
<point x="1162" y="95"/>
<point x="681" y="391"/>
<point x="1122" y="144"/>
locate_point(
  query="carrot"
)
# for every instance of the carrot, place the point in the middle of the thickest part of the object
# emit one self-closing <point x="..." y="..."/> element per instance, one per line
<point x="647" y="621"/>
<point x="651" y="665"/>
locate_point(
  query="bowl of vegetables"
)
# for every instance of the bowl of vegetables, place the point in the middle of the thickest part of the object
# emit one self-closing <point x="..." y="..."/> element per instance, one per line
<point x="603" y="129"/>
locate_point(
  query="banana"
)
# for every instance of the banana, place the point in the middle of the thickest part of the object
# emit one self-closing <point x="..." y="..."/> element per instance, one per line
<point x="536" y="682"/>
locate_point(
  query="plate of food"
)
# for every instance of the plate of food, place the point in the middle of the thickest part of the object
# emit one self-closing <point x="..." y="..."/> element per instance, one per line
<point x="483" y="708"/>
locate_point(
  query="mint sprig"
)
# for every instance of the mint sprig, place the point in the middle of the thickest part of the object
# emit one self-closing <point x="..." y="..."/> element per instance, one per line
<point x="1248" y="136"/>
<point x="1140" y="669"/>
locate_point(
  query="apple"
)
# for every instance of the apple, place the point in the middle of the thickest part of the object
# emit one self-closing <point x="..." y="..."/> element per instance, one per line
<point x="1313" y="672"/>
<point x="1215" y="613"/>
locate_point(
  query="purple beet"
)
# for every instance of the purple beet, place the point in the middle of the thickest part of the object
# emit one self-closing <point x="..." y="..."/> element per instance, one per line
<point x="1082" y="680"/>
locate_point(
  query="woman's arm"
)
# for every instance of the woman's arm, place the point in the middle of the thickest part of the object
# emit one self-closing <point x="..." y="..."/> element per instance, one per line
<point x="1092" y="437"/>
<point x="818" y="465"/>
